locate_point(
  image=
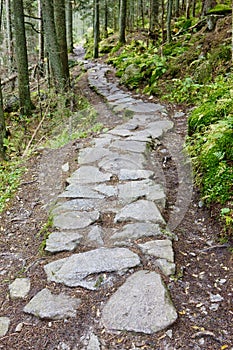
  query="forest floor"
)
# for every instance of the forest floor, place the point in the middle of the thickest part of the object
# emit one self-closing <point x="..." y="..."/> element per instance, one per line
<point x="201" y="289"/>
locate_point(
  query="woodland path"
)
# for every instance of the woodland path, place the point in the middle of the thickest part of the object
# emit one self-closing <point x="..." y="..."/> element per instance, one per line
<point x="109" y="222"/>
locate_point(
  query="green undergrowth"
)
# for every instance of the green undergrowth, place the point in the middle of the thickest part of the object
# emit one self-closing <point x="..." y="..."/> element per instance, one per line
<point x="58" y="119"/>
<point x="210" y="145"/>
<point x="10" y="176"/>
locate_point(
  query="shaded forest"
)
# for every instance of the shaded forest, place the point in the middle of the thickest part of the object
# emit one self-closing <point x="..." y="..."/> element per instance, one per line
<point x="176" y="51"/>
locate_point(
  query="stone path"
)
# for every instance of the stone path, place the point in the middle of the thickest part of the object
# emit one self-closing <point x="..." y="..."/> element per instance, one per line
<point x="109" y="219"/>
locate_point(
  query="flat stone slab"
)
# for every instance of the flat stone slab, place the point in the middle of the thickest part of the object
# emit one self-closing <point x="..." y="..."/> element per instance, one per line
<point x="141" y="210"/>
<point x="168" y="268"/>
<point x="147" y="189"/>
<point x="80" y="204"/>
<point x="19" y="288"/>
<point x="91" y="155"/>
<point x="95" y="235"/>
<point x="80" y="191"/>
<point x="135" y="174"/>
<point x="73" y="271"/>
<point x="88" y="174"/>
<point x="161" y="248"/>
<point x="124" y="161"/>
<point x="75" y="219"/>
<point x="62" y="241"/>
<point x="141" y="304"/>
<point x="132" y="146"/>
<point x="46" y="305"/>
<point x="131" y="232"/>
<point x="4" y="325"/>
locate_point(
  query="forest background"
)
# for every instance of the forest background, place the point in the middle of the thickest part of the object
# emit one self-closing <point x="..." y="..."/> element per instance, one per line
<point x="177" y="51"/>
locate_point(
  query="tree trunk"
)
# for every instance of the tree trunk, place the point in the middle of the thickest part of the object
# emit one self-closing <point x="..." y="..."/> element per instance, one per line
<point x="154" y="12"/>
<point x="60" y="25"/>
<point x="122" y="22"/>
<point x="105" y="18"/>
<point x="69" y="20"/>
<point x="169" y="16"/>
<point x="142" y="14"/>
<point x="41" y="35"/>
<point x="96" y="28"/>
<point x="21" y="58"/>
<point x="187" y="11"/>
<point x="177" y="8"/>
<point x="9" y="41"/>
<point x="2" y="127"/>
<point x="52" y="45"/>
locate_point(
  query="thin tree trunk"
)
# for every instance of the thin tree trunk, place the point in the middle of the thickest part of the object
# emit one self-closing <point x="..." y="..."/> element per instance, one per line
<point x="162" y="21"/>
<point x="194" y="8"/>
<point x="1" y="11"/>
<point x="41" y="35"/>
<point x="122" y="22"/>
<point x="21" y="58"/>
<point x="154" y="12"/>
<point x="105" y="18"/>
<point x="52" y="45"/>
<point x="60" y="25"/>
<point x="187" y="12"/>
<point x="69" y="19"/>
<point x="9" y="41"/>
<point x="2" y="127"/>
<point x="177" y="8"/>
<point x="96" y="29"/>
<point x="142" y="14"/>
<point x="169" y="16"/>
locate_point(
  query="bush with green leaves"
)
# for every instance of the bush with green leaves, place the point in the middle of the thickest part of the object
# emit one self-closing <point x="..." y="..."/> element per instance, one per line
<point x="210" y="144"/>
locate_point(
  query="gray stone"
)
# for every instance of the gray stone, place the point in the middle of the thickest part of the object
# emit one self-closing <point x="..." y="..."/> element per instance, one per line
<point x="46" y="305"/>
<point x="132" y="71"/>
<point x="135" y="174"/>
<point x="19" y="288"/>
<point x="107" y="190"/>
<point x="91" y="155"/>
<point x="147" y="309"/>
<point x="142" y="135"/>
<point x="121" y="131"/>
<point x="65" y="167"/>
<point x="88" y="174"/>
<point x="117" y="96"/>
<point x="141" y="210"/>
<point x="76" y="204"/>
<point x="138" y="230"/>
<point x="147" y="189"/>
<point x="132" y="146"/>
<point x="160" y="249"/>
<point x="73" y="271"/>
<point x="95" y="235"/>
<point x="62" y="241"/>
<point x="75" y="219"/>
<point x="93" y="343"/>
<point x="142" y="107"/>
<point x="124" y="161"/>
<point x="166" y="267"/>
<point x="155" y="128"/>
<point x="4" y="325"/>
<point x="82" y="191"/>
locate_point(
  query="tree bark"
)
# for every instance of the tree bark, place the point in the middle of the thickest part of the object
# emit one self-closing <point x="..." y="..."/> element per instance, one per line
<point x="69" y="19"/>
<point x="21" y="58"/>
<point x="60" y="25"/>
<point x="154" y="12"/>
<point x="9" y="40"/>
<point x="105" y="18"/>
<point x="169" y="16"/>
<point x="2" y="127"/>
<point x="52" y="46"/>
<point x="96" y="28"/>
<point x="122" y="22"/>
